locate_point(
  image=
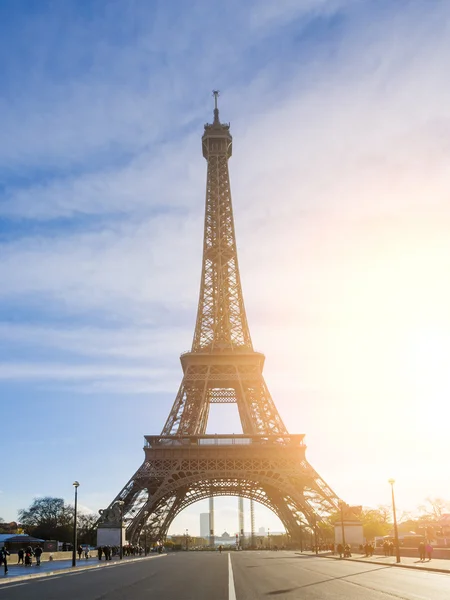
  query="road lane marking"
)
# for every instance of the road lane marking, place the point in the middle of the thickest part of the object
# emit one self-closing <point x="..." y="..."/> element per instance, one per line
<point x="231" y="590"/>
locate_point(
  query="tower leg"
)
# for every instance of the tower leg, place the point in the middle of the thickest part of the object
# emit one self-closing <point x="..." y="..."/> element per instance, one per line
<point x="211" y="521"/>
<point x="252" y="522"/>
<point x="241" y="521"/>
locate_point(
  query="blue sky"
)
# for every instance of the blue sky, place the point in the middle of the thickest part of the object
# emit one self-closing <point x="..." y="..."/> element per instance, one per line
<point x="339" y="112"/>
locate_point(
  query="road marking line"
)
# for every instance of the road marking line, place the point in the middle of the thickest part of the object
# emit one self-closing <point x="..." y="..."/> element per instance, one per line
<point x="231" y="590"/>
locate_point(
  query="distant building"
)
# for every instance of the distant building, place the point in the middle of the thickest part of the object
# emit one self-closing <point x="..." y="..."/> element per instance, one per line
<point x="204" y="525"/>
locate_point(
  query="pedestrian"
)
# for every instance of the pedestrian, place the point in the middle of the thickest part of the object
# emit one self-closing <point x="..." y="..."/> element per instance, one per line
<point x="220" y="549"/>
<point x="421" y="551"/>
<point x="86" y="553"/>
<point x="429" y="550"/>
<point x="80" y="552"/>
<point x="38" y="553"/>
<point x="340" y="549"/>
<point x="4" y="553"/>
<point x="100" y="552"/>
<point x="20" y="555"/>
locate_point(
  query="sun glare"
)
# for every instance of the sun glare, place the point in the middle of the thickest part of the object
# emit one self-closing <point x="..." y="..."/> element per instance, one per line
<point x="391" y="332"/>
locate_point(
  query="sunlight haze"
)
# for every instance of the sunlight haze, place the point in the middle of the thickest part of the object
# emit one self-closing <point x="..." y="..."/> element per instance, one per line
<point x="340" y="179"/>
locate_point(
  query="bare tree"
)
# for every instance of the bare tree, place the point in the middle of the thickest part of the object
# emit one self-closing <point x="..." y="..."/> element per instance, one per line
<point x="49" y="518"/>
<point x="434" y="509"/>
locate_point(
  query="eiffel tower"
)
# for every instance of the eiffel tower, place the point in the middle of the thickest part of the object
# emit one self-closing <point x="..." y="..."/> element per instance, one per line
<point x="183" y="465"/>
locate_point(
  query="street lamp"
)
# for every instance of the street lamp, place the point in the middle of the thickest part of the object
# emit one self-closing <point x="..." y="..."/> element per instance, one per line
<point x="121" y="503"/>
<point x="145" y="532"/>
<point x="392" y="481"/>
<point x="74" y="549"/>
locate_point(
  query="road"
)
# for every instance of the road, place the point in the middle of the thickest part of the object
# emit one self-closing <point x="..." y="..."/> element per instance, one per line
<point x="253" y="575"/>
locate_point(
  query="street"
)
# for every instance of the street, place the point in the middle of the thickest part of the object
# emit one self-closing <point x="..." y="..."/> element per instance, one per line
<point x="252" y="576"/>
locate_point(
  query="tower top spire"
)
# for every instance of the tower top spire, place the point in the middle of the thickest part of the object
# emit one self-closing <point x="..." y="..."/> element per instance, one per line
<point x="216" y="110"/>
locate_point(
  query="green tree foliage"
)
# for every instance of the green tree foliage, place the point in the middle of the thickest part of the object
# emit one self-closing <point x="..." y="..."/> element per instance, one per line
<point x="48" y="518"/>
<point x="325" y="530"/>
<point x="376" y="522"/>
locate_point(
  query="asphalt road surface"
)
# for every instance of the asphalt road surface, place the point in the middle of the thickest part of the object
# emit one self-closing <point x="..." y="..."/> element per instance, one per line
<point x="235" y="576"/>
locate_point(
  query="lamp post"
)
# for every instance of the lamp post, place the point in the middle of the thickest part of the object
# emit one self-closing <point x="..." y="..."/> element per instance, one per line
<point x="301" y="537"/>
<point x="145" y="532"/>
<point x="397" y="548"/>
<point x="341" y="505"/>
<point x="187" y="539"/>
<point x="120" y="503"/>
<point x="74" y="541"/>
<point x="268" y="538"/>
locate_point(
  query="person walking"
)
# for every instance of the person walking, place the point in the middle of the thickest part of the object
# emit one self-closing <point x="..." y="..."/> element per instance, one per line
<point x="20" y="555"/>
<point x="421" y="551"/>
<point x="429" y="550"/>
<point x="38" y="553"/>
<point x="100" y="552"/>
<point x="4" y="553"/>
<point x="80" y="552"/>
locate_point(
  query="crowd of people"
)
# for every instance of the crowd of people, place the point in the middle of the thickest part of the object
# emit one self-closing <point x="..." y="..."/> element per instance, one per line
<point x="344" y="551"/>
<point x="109" y="551"/>
<point x="24" y="556"/>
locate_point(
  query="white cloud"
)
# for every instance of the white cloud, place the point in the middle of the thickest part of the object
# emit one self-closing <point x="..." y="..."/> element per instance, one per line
<point x="351" y="160"/>
<point x="340" y="183"/>
<point x="267" y="14"/>
<point x="55" y="371"/>
<point x="131" y="344"/>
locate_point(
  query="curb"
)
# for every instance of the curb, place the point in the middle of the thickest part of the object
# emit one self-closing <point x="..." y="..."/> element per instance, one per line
<point x="72" y="570"/>
<point x="398" y="565"/>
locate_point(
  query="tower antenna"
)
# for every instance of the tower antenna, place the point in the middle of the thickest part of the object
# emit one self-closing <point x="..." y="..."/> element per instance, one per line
<point x="216" y="109"/>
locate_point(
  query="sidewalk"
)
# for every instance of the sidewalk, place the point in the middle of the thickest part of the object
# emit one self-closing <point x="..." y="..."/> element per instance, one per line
<point x="439" y="565"/>
<point x="19" y="572"/>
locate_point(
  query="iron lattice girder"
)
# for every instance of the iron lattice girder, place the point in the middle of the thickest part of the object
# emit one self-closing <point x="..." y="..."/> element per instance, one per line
<point x="221" y="318"/>
<point x="178" y="471"/>
<point x="223" y="377"/>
